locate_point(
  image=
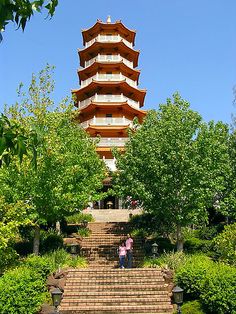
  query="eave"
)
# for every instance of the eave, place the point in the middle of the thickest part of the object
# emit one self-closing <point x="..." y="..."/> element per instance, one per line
<point x="120" y="86"/>
<point x="96" y="107"/>
<point x="108" y="47"/>
<point x="99" y="27"/>
<point x="95" y="67"/>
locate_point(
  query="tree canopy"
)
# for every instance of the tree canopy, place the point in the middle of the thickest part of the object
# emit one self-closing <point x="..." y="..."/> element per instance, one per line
<point x="68" y="172"/>
<point x="175" y="164"/>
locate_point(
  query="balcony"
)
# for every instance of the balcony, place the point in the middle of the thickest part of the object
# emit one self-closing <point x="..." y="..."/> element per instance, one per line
<point x="113" y="141"/>
<point x="109" y="77"/>
<point x="108" y="98"/>
<point x="109" y="58"/>
<point x="108" y="39"/>
<point x="105" y="121"/>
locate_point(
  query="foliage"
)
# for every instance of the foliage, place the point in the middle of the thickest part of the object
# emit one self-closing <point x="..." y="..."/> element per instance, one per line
<point x="22" y="291"/>
<point x="68" y="171"/>
<point x="191" y="275"/>
<point x="84" y="232"/>
<point x="194" y="244"/>
<point x="20" y="11"/>
<point x="175" y="165"/>
<point x="12" y="216"/>
<point x="225" y="244"/>
<point x="9" y="258"/>
<point x="167" y="260"/>
<point x="219" y="290"/>
<point x="192" y="307"/>
<point x="78" y="218"/>
<point x="50" y="240"/>
<point x="213" y="283"/>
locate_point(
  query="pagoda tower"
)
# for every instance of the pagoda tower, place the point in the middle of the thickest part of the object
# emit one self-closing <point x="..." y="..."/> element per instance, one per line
<point x="109" y="98"/>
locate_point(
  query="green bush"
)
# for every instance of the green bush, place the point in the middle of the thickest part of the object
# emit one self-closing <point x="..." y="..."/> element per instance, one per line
<point x="219" y="290"/>
<point x="192" y="307"/>
<point x="213" y="283"/>
<point x="225" y="244"/>
<point x="191" y="275"/>
<point x="43" y="265"/>
<point x="79" y="218"/>
<point x="8" y="258"/>
<point x="22" y="291"/>
<point x="194" y="244"/>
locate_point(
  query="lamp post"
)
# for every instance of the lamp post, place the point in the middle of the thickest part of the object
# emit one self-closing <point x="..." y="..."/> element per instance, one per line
<point x="74" y="249"/>
<point x="154" y="250"/>
<point x="109" y="204"/>
<point x="56" y="298"/>
<point x="178" y="297"/>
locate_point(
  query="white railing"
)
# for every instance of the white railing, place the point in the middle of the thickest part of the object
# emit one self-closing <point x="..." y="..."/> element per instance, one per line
<point x="109" y="58"/>
<point x="108" y="77"/>
<point x="108" y="98"/>
<point x="105" y="121"/>
<point x="109" y="142"/>
<point x="108" y="38"/>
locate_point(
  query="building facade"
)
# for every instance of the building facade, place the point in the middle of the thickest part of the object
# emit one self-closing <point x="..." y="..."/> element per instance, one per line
<point x="109" y="98"/>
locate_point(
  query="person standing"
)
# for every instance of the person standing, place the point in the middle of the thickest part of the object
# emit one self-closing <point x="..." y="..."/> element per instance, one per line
<point x="122" y="254"/>
<point x="129" y="250"/>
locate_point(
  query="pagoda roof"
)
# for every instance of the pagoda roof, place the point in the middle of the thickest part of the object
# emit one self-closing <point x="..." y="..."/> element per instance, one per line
<point x="108" y="47"/>
<point x="85" y="73"/>
<point x="100" y="26"/>
<point x="96" y="86"/>
<point x="93" y="106"/>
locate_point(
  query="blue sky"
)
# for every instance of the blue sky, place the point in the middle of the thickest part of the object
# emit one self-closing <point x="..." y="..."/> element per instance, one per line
<point x="185" y="45"/>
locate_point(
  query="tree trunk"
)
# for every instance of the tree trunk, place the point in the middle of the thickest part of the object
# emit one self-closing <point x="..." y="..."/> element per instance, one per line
<point x="180" y="240"/>
<point x="58" y="227"/>
<point x="36" y="240"/>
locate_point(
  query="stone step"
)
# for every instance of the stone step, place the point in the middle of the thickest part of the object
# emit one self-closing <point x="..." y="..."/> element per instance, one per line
<point x="116" y="309"/>
<point x="80" y="287"/>
<point x="113" y="294"/>
<point x="161" y="300"/>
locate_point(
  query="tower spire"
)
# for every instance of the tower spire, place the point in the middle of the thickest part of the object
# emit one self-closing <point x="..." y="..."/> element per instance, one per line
<point x="109" y="19"/>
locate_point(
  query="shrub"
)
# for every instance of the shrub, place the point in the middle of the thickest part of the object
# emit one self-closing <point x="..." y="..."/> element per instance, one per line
<point x="42" y="265"/>
<point x="194" y="244"/>
<point x="192" y="307"/>
<point x="219" y="290"/>
<point x="22" y="291"/>
<point x="9" y="257"/>
<point x="79" y="218"/>
<point x="191" y="275"/>
<point x="225" y="244"/>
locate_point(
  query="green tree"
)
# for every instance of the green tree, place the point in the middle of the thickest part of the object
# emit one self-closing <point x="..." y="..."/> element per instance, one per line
<point x="20" y="11"/>
<point x="175" y="165"/>
<point x="69" y="172"/>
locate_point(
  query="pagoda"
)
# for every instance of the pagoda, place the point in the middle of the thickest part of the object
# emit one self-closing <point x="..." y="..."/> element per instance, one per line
<point x="109" y="98"/>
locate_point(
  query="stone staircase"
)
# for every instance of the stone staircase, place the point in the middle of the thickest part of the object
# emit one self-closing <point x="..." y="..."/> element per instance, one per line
<point x="100" y="248"/>
<point x="104" y="288"/>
